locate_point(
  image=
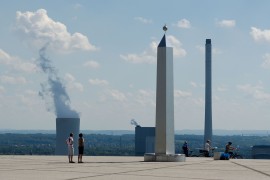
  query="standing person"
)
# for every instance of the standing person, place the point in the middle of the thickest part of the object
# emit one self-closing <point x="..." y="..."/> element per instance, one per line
<point x="80" y="147"/>
<point x="207" y="148"/>
<point x="70" y="148"/>
<point x="185" y="148"/>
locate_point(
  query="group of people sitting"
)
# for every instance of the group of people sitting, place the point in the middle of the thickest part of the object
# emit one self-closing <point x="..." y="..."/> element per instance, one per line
<point x="207" y="148"/>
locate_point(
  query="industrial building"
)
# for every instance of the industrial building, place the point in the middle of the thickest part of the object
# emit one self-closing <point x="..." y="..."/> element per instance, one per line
<point x="144" y="140"/>
<point x="261" y="152"/>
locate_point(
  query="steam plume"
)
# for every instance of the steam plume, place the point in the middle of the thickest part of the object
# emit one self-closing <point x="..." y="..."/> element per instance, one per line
<point x="133" y="122"/>
<point x="54" y="89"/>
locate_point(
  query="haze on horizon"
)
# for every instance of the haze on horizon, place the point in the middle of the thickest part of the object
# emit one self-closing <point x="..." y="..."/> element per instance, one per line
<point x="105" y="54"/>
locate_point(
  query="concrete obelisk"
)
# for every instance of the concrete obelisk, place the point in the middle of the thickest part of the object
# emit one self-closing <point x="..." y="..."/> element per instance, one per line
<point x="164" y="135"/>
<point x="208" y="91"/>
<point x="164" y="100"/>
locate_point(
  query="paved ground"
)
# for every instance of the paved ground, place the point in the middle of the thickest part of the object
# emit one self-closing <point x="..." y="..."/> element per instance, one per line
<point x="129" y="168"/>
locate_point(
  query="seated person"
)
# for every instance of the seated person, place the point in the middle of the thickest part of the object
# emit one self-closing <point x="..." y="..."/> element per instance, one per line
<point x="229" y="148"/>
<point x="185" y="148"/>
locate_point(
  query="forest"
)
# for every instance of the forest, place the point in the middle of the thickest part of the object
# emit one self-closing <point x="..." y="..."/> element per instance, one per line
<point x="117" y="145"/>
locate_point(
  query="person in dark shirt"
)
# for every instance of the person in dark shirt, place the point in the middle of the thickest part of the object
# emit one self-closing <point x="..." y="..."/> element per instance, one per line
<point x="229" y="148"/>
<point x="185" y="148"/>
<point x="80" y="147"/>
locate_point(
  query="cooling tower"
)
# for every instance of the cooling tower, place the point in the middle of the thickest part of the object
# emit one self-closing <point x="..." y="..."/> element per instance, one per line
<point x="64" y="126"/>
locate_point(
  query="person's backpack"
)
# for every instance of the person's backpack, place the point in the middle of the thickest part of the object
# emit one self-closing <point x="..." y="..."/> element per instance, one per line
<point x="224" y="156"/>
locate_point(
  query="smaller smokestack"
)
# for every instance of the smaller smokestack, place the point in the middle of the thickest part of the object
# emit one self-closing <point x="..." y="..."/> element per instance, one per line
<point x="133" y="122"/>
<point x="208" y="41"/>
<point x="65" y="126"/>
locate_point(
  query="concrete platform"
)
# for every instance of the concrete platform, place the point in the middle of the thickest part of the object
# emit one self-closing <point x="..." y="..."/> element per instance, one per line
<point x="152" y="157"/>
<point x="98" y="168"/>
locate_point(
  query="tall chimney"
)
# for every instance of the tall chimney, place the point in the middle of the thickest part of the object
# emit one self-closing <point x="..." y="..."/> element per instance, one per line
<point x="208" y="91"/>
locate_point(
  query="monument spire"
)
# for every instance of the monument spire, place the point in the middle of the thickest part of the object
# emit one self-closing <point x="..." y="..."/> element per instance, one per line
<point x="164" y="132"/>
<point x="163" y="40"/>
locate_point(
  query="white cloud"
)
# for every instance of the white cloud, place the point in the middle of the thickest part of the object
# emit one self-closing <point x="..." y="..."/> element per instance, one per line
<point x="266" y="62"/>
<point x="193" y="84"/>
<point x="143" y="20"/>
<point x="28" y="98"/>
<point x="183" y="23"/>
<point x="149" y="56"/>
<point x="2" y="89"/>
<point x="117" y="95"/>
<point x="221" y="88"/>
<point x="17" y="63"/>
<point x="77" y="6"/>
<point x="72" y="84"/>
<point x="178" y="51"/>
<point x="214" y="50"/>
<point x="91" y="64"/>
<point x="198" y="101"/>
<point x="257" y="92"/>
<point x="12" y="80"/>
<point x="39" y="29"/>
<point x="78" y="86"/>
<point x="69" y="77"/>
<point x="98" y="82"/>
<point x="139" y="58"/>
<point x="260" y="35"/>
<point x="227" y="23"/>
<point x="182" y="94"/>
<point x="145" y="97"/>
<point x="5" y="57"/>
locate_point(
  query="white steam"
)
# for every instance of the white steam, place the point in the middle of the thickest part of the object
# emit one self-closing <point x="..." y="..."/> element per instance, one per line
<point x="54" y="92"/>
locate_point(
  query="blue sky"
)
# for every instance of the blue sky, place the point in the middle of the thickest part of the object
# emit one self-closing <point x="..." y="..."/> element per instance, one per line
<point x="104" y="55"/>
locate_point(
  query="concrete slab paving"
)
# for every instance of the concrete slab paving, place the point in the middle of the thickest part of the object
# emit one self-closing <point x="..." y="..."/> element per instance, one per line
<point x="129" y="168"/>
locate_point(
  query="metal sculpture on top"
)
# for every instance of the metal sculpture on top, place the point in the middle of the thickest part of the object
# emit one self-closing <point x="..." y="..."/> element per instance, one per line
<point x="163" y="40"/>
<point x="165" y="28"/>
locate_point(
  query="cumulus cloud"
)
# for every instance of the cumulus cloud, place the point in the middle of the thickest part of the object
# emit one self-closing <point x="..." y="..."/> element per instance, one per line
<point x="98" y="82"/>
<point x="183" y="23"/>
<point x="91" y="64"/>
<point x="143" y="20"/>
<point x="260" y="35"/>
<point x="266" y="62"/>
<point x="38" y="29"/>
<point x="193" y="84"/>
<point x="221" y="88"/>
<point x="149" y="56"/>
<point x="214" y="50"/>
<point x="257" y="91"/>
<point x="227" y="23"/>
<point x="178" y="51"/>
<point x="2" y="89"/>
<point x="72" y="83"/>
<point x="12" y="80"/>
<point x="77" y="6"/>
<point x="117" y="95"/>
<point x="139" y="58"/>
<point x="17" y="63"/>
<point x="28" y="98"/>
<point x="182" y="94"/>
<point x="145" y="97"/>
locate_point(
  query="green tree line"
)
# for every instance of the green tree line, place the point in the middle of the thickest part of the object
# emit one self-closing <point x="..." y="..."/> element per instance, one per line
<point x="117" y="145"/>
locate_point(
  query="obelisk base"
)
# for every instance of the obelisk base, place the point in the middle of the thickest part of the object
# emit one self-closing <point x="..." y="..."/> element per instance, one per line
<point x="152" y="157"/>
